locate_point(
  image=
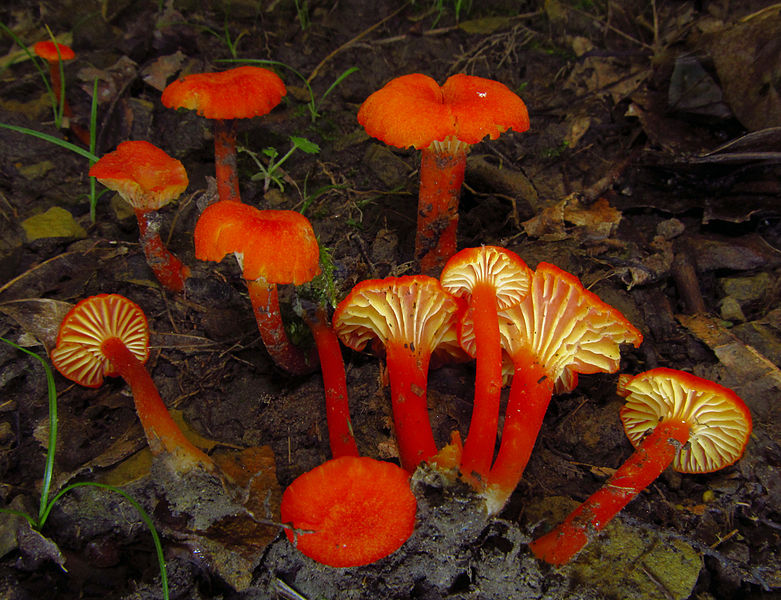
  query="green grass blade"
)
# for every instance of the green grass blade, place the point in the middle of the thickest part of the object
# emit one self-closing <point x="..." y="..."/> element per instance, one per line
<point x="54" y="140"/>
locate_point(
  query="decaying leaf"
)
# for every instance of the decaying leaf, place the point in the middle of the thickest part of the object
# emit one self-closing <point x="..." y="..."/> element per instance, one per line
<point x="571" y="218"/>
<point x="40" y="317"/>
<point x="160" y="71"/>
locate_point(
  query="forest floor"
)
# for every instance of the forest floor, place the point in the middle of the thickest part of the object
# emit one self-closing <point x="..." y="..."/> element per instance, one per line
<point x="650" y="171"/>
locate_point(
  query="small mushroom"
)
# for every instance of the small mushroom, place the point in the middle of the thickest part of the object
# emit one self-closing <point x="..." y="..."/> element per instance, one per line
<point x="558" y="330"/>
<point x="240" y="93"/>
<point x="107" y="335"/>
<point x="410" y="316"/>
<point x="671" y="417"/>
<point x="413" y="110"/>
<point x="273" y="247"/>
<point x="493" y="279"/>
<point x="349" y="511"/>
<point x="148" y="179"/>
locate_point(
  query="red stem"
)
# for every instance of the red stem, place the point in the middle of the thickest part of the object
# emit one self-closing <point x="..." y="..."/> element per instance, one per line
<point x="441" y="177"/>
<point x="162" y="432"/>
<point x="225" y="160"/>
<point x="481" y="440"/>
<point x="340" y="429"/>
<point x="408" y="373"/>
<point x="265" y="305"/>
<point x="652" y="457"/>
<point x="169" y="270"/>
<point x="530" y="394"/>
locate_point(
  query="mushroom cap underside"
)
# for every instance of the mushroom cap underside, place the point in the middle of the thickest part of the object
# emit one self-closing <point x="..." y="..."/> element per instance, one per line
<point x="78" y="354"/>
<point x="413" y="110"/>
<point x="239" y="93"/>
<point x="142" y="174"/>
<point x="278" y="246"/>
<point x="719" y="421"/>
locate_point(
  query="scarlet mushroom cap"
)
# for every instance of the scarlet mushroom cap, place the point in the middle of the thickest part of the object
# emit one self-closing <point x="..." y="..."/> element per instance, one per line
<point x="273" y="247"/>
<point x="350" y="511"/>
<point x="148" y="179"/>
<point x="493" y="279"/>
<point x="107" y="334"/>
<point x="47" y="50"/>
<point x="410" y="316"/>
<point x="413" y="110"/>
<point x="671" y="417"/>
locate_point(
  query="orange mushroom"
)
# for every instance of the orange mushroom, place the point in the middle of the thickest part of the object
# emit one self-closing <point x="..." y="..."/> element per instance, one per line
<point x="671" y="417"/>
<point x="558" y="330"/>
<point x="273" y="247"/>
<point x="148" y="179"/>
<point x="107" y="335"/>
<point x="349" y="511"/>
<point x="493" y="279"/>
<point x="410" y="316"/>
<point x="413" y="110"/>
<point x="240" y="93"/>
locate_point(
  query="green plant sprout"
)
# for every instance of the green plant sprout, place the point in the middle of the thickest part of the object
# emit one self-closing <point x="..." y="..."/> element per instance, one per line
<point x="313" y="105"/>
<point x="302" y="10"/>
<point x="268" y="173"/>
<point x="46" y="505"/>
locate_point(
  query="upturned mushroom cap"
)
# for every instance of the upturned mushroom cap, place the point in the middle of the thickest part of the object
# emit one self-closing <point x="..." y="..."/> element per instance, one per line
<point x="413" y="110"/>
<point x="350" y="511"/>
<point x="142" y="174"/>
<point x="47" y="50"/>
<point x="78" y="354"/>
<point x="278" y="246"/>
<point x="412" y="309"/>
<point x="567" y="328"/>
<point x="239" y="93"/>
<point x="719" y="420"/>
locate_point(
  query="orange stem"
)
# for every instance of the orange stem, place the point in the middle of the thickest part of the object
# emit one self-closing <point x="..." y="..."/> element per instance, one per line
<point x="481" y="440"/>
<point x="340" y="429"/>
<point x="169" y="270"/>
<point x="265" y="305"/>
<point x="652" y="456"/>
<point x="408" y="373"/>
<point x="530" y="394"/>
<point x="441" y="177"/>
<point x="225" y="160"/>
<point x="162" y="432"/>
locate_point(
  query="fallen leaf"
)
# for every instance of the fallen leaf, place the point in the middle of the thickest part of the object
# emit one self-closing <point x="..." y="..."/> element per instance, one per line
<point x="40" y="317"/>
<point x="55" y="222"/>
<point x="159" y="71"/>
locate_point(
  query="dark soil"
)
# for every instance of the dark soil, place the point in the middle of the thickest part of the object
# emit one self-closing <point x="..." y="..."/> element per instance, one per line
<point x="651" y="171"/>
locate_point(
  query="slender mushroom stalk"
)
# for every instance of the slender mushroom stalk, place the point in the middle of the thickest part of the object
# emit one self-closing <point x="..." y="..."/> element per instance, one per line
<point x="671" y="417"/>
<point x="493" y="279"/>
<point x="349" y="511"/>
<point x="273" y="247"/>
<point x="558" y="330"/>
<point x="410" y="316"/>
<point x="329" y="351"/>
<point x="413" y="110"/>
<point x="107" y="335"/>
<point x="148" y="179"/>
<point x="240" y="93"/>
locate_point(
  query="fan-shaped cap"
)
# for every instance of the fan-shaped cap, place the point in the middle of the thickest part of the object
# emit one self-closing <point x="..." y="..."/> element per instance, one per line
<point x="142" y="174"/>
<point x="78" y="354"/>
<point x="567" y="328"/>
<point x="502" y="268"/>
<point x="719" y="421"/>
<point x="239" y="93"/>
<point x="357" y="510"/>
<point x="47" y="50"/>
<point x="278" y="246"/>
<point x="412" y="310"/>
<point x="413" y="110"/>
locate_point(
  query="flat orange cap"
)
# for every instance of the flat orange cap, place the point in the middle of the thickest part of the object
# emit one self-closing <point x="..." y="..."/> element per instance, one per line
<point x="350" y="511"/>
<point x="413" y="110"/>
<point x="48" y="51"/>
<point x="239" y="93"/>
<point x="278" y="246"/>
<point x="78" y="354"/>
<point x="142" y="174"/>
